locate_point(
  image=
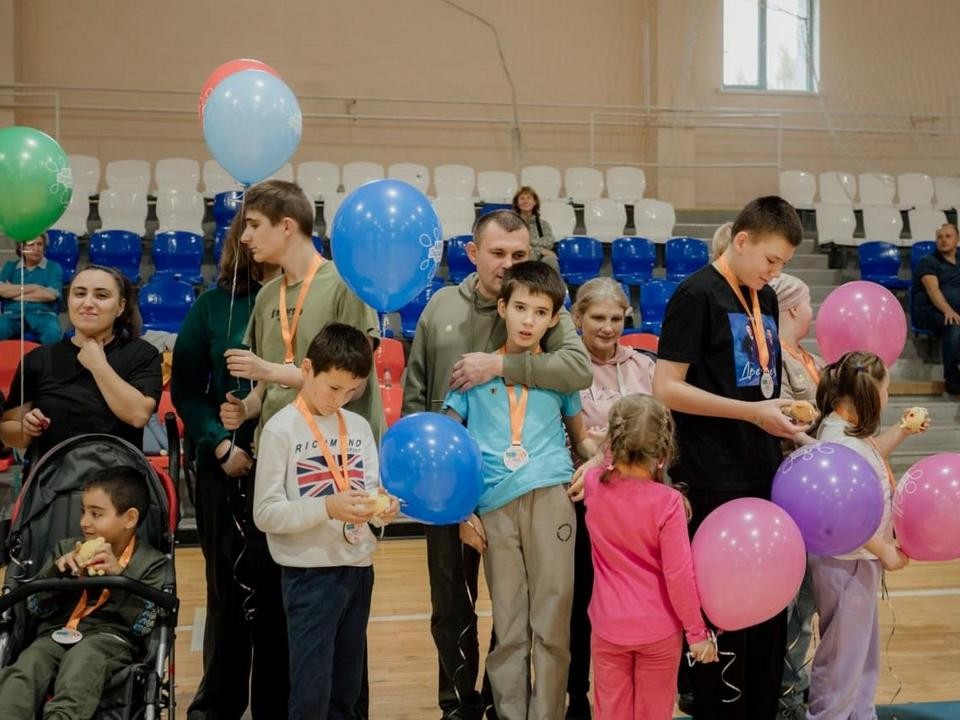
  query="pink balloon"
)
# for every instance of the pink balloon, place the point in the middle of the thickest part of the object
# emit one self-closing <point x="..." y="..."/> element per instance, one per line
<point x="749" y="560"/>
<point x="225" y="71"/>
<point x="861" y="315"/>
<point x="926" y="508"/>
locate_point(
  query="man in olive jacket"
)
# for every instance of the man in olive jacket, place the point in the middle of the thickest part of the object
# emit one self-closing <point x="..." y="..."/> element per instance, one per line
<point x="455" y="346"/>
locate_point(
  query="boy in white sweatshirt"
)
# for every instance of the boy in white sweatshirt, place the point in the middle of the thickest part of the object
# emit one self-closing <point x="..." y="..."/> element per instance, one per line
<point x="317" y="487"/>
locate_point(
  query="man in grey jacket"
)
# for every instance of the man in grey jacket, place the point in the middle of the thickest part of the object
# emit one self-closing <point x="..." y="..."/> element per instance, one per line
<point x="455" y="346"/>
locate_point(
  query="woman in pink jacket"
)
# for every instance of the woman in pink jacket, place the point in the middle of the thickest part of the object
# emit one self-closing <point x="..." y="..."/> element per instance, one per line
<point x="599" y="312"/>
<point x="644" y="593"/>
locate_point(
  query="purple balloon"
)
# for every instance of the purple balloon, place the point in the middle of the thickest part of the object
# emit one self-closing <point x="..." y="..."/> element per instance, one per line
<point x="861" y="315"/>
<point x="833" y="494"/>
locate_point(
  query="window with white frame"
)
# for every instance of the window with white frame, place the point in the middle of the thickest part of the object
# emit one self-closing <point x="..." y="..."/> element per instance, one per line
<point x="770" y="45"/>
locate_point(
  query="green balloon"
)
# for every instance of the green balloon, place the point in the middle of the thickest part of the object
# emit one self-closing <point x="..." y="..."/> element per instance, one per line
<point x="35" y="182"/>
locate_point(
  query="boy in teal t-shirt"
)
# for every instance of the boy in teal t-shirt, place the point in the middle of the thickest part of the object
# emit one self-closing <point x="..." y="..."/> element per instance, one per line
<point x="528" y="523"/>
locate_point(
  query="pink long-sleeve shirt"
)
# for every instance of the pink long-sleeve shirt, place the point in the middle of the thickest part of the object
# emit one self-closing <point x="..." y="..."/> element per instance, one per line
<point x="643" y="587"/>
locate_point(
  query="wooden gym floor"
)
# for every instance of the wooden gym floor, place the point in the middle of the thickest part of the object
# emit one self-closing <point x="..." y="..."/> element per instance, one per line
<point x="924" y="652"/>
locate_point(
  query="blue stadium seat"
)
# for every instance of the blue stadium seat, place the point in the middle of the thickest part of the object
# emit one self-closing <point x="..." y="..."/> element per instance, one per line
<point x="410" y="313"/>
<point x="180" y="253"/>
<point x="918" y="250"/>
<point x="458" y="264"/>
<point x="633" y="260"/>
<point x="685" y="255"/>
<point x="218" y="235"/>
<point x="580" y="258"/>
<point x="64" y="249"/>
<point x="880" y="263"/>
<point x="164" y="304"/>
<point x="225" y="206"/>
<point x="654" y="297"/>
<point x="119" y="249"/>
<point x="322" y="246"/>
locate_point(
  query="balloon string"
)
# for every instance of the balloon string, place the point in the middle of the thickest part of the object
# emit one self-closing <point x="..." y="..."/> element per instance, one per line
<point x="233" y="297"/>
<point x="466" y="629"/>
<point x="885" y="594"/>
<point x="23" y="347"/>
<point x="723" y="675"/>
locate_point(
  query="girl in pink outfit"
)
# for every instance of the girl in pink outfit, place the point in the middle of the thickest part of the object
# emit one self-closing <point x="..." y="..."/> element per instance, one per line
<point x="644" y="594"/>
<point x="599" y="313"/>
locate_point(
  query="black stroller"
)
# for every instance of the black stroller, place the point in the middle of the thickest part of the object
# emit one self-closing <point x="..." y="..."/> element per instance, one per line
<point x="48" y="510"/>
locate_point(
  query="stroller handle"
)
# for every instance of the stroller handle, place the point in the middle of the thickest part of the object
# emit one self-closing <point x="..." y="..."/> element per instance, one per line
<point x="163" y="599"/>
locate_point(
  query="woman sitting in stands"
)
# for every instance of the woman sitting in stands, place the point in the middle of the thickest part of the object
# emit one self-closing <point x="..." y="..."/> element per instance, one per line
<point x="104" y="379"/>
<point x="527" y="204"/>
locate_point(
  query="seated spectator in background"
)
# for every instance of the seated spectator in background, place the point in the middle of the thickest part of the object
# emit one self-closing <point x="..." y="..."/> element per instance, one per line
<point x="527" y="204"/>
<point x="936" y="301"/>
<point x="42" y="283"/>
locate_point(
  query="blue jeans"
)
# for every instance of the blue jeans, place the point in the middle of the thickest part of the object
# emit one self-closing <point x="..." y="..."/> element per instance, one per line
<point x="949" y="346"/>
<point x="327" y="612"/>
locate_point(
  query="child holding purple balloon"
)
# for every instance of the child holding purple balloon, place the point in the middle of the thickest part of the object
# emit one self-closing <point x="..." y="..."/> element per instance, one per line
<point x="852" y="394"/>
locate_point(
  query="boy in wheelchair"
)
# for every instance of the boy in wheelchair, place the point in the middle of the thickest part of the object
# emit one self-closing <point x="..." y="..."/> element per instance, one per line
<point x="82" y="641"/>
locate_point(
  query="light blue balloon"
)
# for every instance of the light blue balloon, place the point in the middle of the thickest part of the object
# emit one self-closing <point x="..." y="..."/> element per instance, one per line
<point x="252" y="124"/>
<point x="387" y="243"/>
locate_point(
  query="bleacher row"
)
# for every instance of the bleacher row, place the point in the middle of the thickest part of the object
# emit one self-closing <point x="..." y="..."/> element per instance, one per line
<point x="120" y="227"/>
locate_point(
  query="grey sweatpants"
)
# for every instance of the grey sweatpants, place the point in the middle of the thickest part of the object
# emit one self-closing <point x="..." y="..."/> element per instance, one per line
<point x="529" y="569"/>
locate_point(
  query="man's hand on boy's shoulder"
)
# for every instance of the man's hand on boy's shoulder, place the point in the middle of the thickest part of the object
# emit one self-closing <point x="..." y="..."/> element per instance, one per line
<point x="475" y="368"/>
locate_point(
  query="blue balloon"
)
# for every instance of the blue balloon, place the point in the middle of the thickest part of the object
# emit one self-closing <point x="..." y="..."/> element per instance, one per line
<point x="252" y="124"/>
<point x="387" y="243"/>
<point x="433" y="466"/>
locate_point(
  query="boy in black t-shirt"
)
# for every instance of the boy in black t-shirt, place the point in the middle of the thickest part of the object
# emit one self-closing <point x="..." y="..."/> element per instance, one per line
<point x="725" y="399"/>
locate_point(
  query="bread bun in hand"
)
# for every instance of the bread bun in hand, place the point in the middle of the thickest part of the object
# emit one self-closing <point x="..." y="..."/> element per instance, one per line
<point x="86" y="552"/>
<point x="914" y="418"/>
<point x="801" y="411"/>
<point x="383" y="501"/>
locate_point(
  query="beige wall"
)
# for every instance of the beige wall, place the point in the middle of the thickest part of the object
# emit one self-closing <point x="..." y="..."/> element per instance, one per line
<point x="876" y="56"/>
<point x="556" y="50"/>
<point x="879" y="56"/>
<point x="8" y="55"/>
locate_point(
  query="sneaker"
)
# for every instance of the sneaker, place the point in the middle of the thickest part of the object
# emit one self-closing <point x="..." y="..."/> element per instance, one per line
<point x="579" y="708"/>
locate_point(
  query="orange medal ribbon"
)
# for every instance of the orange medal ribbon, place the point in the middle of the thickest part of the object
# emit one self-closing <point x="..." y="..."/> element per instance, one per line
<point x="340" y="476"/>
<point x="756" y="319"/>
<point x="800" y="354"/>
<point x="518" y="406"/>
<point x="80" y="611"/>
<point x="288" y="328"/>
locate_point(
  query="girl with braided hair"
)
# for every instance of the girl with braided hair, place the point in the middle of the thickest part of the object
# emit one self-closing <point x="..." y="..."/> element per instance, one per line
<point x="644" y="593"/>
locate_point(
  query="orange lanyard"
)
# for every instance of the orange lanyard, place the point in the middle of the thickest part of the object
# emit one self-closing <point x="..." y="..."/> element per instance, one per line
<point x="806" y="358"/>
<point x="756" y="320"/>
<point x="81" y="610"/>
<point x="288" y="328"/>
<point x="518" y="406"/>
<point x="340" y="474"/>
<point x="851" y="420"/>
